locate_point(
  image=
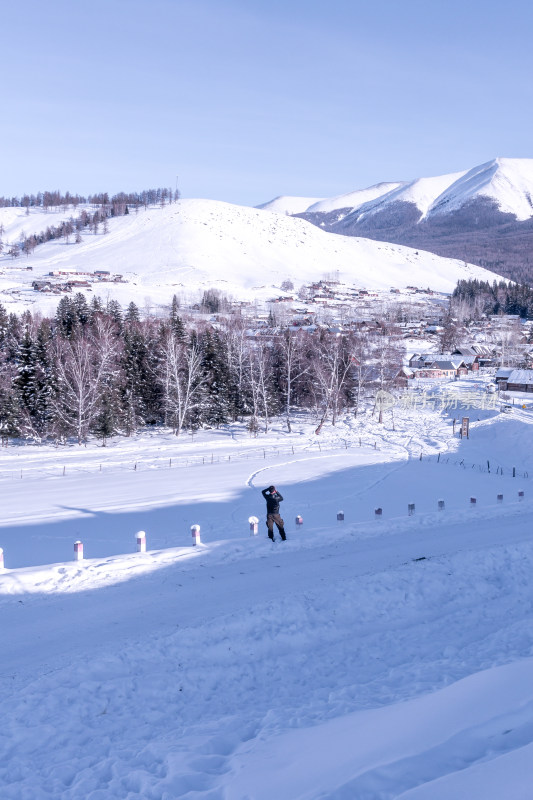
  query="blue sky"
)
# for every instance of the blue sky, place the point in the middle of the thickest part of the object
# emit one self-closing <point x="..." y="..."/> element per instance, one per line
<point x="248" y="99"/>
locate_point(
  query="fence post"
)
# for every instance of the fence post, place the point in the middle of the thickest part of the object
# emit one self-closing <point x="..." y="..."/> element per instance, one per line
<point x="140" y="538"/>
<point x="254" y="523"/>
<point x="78" y="551"/>
<point x="514" y="472"/>
<point x="195" y="531"/>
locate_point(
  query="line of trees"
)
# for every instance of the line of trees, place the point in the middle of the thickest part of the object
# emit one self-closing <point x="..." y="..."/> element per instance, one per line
<point x="97" y="370"/>
<point x="55" y="199"/>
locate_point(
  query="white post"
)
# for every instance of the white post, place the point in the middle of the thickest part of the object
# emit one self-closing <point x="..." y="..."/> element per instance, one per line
<point x="1" y="558"/>
<point x="195" y="531"/>
<point x="299" y="520"/>
<point x="340" y="516"/>
<point x="254" y="525"/>
<point x="78" y="551"/>
<point x="140" y="538"/>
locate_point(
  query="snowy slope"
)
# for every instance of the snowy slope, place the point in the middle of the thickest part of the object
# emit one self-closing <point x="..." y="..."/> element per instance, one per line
<point x="16" y="224"/>
<point x="284" y="204"/>
<point x="354" y="199"/>
<point x="196" y="244"/>
<point x="377" y="659"/>
<point x="506" y="181"/>
<point x="423" y="193"/>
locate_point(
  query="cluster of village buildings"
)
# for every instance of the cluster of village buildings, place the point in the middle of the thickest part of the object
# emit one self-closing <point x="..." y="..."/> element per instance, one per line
<point x="68" y="280"/>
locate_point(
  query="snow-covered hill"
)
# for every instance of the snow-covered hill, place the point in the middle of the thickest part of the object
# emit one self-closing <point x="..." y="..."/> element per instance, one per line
<point x="197" y="244"/>
<point x="508" y="182"/>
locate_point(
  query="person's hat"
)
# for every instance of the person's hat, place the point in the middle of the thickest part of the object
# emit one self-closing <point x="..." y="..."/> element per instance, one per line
<point x="271" y="488"/>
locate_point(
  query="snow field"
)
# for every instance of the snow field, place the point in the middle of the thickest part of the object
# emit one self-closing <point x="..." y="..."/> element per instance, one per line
<point x="366" y="659"/>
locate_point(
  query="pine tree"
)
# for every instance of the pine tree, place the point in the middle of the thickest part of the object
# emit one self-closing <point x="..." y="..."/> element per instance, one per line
<point x="215" y="404"/>
<point x="132" y="314"/>
<point x="105" y="424"/>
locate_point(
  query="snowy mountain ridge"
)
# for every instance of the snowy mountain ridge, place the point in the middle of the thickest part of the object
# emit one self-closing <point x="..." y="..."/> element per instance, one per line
<point x="508" y="182"/>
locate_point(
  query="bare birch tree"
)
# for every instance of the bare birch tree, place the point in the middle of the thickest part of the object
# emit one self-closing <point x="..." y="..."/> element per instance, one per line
<point x="181" y="380"/>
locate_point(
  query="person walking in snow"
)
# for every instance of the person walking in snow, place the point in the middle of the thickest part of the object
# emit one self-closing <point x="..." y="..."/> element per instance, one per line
<point x="273" y="499"/>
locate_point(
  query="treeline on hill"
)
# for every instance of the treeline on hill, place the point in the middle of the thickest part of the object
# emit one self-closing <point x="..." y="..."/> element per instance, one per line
<point x="106" y="207"/>
<point x="93" y="369"/>
<point x="482" y="297"/>
<point x="55" y="199"/>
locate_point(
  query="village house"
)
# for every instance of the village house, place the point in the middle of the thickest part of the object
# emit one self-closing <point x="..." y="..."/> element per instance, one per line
<point x="518" y="380"/>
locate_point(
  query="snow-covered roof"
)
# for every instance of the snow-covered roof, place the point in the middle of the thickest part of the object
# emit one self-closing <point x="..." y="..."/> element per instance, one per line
<point x="447" y="364"/>
<point x="521" y="376"/>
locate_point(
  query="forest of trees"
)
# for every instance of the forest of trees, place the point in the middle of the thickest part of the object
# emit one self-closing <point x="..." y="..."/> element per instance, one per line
<point x="475" y="297"/>
<point x="98" y="370"/>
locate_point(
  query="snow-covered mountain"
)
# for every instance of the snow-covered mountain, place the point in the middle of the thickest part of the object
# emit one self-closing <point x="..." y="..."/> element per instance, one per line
<point x="507" y="182"/>
<point x="197" y="244"/>
<point x="483" y="215"/>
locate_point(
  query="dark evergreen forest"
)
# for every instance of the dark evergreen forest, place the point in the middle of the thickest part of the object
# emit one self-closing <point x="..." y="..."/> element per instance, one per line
<point x="495" y="298"/>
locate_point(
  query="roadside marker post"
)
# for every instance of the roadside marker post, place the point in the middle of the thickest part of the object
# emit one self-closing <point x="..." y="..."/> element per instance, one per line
<point x="254" y="525"/>
<point x="78" y="551"/>
<point x="140" y="538"/>
<point x="195" y="531"/>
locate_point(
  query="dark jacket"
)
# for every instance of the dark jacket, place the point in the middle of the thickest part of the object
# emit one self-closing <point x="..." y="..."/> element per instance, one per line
<point x="273" y="501"/>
